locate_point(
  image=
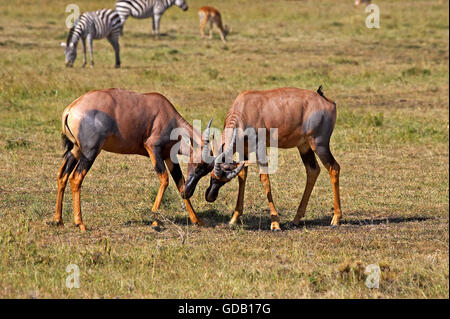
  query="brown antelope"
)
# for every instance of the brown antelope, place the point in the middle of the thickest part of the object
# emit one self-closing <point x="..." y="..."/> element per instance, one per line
<point x="213" y="16"/>
<point x="358" y="2"/>
<point x="125" y="122"/>
<point x="304" y="119"/>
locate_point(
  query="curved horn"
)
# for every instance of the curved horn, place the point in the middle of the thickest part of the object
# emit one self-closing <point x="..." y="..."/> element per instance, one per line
<point x="218" y="160"/>
<point x="206" y="146"/>
<point x="230" y="147"/>
<point x="217" y="170"/>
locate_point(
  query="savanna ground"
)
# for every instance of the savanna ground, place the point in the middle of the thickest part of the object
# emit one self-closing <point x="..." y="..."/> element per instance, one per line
<point x="391" y="140"/>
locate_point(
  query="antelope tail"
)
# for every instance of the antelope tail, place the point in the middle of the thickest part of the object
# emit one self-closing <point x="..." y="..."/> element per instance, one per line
<point x="66" y="142"/>
<point x="320" y="92"/>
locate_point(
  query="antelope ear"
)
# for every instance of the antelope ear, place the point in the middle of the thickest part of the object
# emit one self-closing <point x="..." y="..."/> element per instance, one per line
<point x="63" y="44"/>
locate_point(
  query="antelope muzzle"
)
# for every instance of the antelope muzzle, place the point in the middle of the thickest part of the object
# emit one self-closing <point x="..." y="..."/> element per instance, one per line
<point x="212" y="192"/>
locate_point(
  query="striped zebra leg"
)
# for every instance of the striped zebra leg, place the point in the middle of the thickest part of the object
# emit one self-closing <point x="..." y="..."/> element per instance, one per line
<point x="156" y="21"/>
<point x="83" y="42"/>
<point x="114" y="40"/>
<point x="91" y="49"/>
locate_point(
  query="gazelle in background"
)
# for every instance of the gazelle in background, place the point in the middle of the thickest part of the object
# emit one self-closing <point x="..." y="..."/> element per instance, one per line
<point x="125" y="122"/>
<point x="304" y="119"/>
<point x="358" y="2"/>
<point x="211" y="15"/>
<point x="104" y="23"/>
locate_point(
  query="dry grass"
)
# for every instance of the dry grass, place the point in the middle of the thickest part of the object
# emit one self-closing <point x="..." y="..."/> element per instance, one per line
<point x="391" y="139"/>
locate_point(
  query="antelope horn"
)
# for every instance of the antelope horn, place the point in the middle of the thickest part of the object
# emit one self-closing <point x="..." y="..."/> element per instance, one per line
<point x="206" y="146"/>
<point x="217" y="169"/>
<point x="230" y="147"/>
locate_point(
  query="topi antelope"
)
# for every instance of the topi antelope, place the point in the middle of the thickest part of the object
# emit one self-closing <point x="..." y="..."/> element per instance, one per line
<point x="125" y="122"/>
<point x="212" y="15"/>
<point x="304" y="119"/>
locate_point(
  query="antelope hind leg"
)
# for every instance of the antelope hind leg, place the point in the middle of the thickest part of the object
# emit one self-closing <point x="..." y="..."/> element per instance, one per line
<point x="70" y="160"/>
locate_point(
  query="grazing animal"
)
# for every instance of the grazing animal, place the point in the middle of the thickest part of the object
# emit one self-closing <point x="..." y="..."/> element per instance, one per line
<point x="358" y="2"/>
<point x="142" y="9"/>
<point x="104" y="23"/>
<point x="304" y="119"/>
<point x="125" y="122"/>
<point x="213" y="16"/>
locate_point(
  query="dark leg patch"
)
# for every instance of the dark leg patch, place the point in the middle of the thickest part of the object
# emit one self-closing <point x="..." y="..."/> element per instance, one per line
<point x="84" y="164"/>
<point x="160" y="167"/>
<point x="71" y="161"/>
<point x="176" y="173"/>
<point x="309" y="159"/>
<point x="324" y="153"/>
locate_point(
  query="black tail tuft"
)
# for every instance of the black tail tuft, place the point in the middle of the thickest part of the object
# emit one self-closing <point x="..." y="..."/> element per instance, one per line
<point x="67" y="144"/>
<point x="319" y="90"/>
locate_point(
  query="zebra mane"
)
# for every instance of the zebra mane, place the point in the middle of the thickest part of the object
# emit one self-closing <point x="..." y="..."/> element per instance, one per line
<point x="71" y="31"/>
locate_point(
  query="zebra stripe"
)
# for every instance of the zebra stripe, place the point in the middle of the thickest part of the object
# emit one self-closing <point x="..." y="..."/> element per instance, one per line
<point x="98" y="24"/>
<point x="103" y="23"/>
<point x="142" y="9"/>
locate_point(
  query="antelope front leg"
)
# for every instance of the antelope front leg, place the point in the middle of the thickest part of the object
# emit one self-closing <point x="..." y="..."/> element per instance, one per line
<point x="274" y="218"/>
<point x="178" y="178"/>
<point x="160" y="168"/>
<point x="211" y="29"/>
<point x="242" y="177"/>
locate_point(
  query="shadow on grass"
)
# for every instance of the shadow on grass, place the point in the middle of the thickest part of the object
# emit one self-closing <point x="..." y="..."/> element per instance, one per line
<point x="325" y="221"/>
<point x="149" y="35"/>
<point x="261" y="221"/>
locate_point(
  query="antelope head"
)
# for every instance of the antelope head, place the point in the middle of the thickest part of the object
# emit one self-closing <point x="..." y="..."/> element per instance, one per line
<point x="198" y="167"/>
<point x="223" y="172"/>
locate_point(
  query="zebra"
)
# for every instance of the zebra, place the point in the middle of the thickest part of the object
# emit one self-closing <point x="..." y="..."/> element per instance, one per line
<point x="93" y="25"/>
<point x="141" y="9"/>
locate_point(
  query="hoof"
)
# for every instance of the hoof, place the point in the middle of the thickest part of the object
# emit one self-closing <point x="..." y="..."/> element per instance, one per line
<point x="232" y="225"/>
<point x="200" y="223"/>
<point x="81" y="227"/>
<point x="156" y="226"/>
<point x="117" y="66"/>
<point x="334" y="226"/>
<point x="56" y="223"/>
